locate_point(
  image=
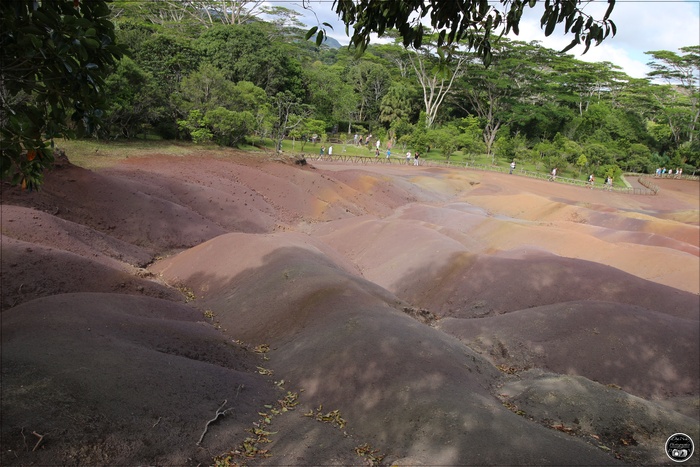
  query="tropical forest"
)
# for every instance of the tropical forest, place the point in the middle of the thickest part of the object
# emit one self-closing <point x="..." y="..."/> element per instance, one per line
<point x="258" y="76"/>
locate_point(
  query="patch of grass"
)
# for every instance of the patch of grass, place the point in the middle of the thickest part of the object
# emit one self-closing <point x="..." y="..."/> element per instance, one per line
<point x="95" y="154"/>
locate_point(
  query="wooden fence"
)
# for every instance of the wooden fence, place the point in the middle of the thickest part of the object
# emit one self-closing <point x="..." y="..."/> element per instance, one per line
<point x="647" y="188"/>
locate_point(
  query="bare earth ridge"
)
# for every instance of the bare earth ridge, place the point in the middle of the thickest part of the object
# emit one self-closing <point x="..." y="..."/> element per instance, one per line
<point x="224" y="306"/>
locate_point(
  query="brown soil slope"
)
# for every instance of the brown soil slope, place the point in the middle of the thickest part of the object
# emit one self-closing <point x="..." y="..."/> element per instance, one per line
<point x="172" y="309"/>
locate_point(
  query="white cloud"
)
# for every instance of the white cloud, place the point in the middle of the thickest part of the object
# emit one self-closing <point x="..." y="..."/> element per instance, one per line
<point x="642" y="26"/>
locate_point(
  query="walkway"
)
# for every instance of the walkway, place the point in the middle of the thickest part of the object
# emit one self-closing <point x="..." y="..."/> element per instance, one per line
<point x="638" y="184"/>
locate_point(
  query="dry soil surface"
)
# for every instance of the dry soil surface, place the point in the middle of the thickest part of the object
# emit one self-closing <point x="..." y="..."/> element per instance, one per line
<point x="243" y="308"/>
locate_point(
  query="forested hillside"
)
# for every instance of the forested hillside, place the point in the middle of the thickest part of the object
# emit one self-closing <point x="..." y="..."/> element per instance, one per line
<point x="255" y="76"/>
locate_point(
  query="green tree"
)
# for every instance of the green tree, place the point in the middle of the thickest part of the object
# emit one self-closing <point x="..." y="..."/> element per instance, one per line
<point x="446" y="139"/>
<point x="196" y="126"/>
<point x="598" y="154"/>
<point x="396" y="104"/>
<point x="370" y="83"/>
<point x="467" y="21"/>
<point x="581" y="163"/>
<point x="638" y="159"/>
<point x="130" y="97"/>
<point x="308" y="128"/>
<point x="679" y="101"/>
<point x="470" y="139"/>
<point x="229" y="127"/>
<point x="491" y="93"/>
<point x="569" y="150"/>
<point x="247" y="97"/>
<point x="609" y="170"/>
<point x="509" y="147"/>
<point x="543" y="152"/>
<point x="211" y="12"/>
<point x="205" y="89"/>
<point x="291" y="114"/>
<point x="420" y="139"/>
<point x="249" y="52"/>
<point x="436" y="70"/>
<point x="582" y="83"/>
<point x="167" y="56"/>
<point x="55" y="57"/>
<point x="332" y="98"/>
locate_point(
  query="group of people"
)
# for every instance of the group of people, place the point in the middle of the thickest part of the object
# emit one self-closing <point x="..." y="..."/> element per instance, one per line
<point x="360" y="140"/>
<point x="662" y="173"/>
<point x="322" y="151"/>
<point x="416" y="158"/>
<point x="608" y="182"/>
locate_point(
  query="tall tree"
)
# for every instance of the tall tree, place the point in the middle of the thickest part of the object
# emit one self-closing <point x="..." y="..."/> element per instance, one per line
<point x="370" y="82"/>
<point x="207" y="12"/>
<point x="582" y="83"/>
<point x="251" y="52"/>
<point x="332" y="98"/>
<point x="55" y="57"/>
<point x="205" y="89"/>
<point x="132" y="99"/>
<point x="396" y="104"/>
<point x="436" y="69"/>
<point x="682" y="72"/>
<point x="491" y="93"/>
<point x="291" y="114"/>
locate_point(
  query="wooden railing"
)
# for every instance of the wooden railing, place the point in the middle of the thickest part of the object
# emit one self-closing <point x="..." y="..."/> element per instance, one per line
<point x="647" y="188"/>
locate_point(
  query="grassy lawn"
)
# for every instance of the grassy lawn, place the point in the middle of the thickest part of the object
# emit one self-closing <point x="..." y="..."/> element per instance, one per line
<point x="95" y="154"/>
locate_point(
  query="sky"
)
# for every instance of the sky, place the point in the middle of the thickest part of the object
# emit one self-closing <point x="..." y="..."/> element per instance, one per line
<point x="642" y="25"/>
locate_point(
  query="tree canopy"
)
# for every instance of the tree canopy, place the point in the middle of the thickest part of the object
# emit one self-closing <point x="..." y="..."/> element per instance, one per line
<point x="55" y="56"/>
<point x="468" y="21"/>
